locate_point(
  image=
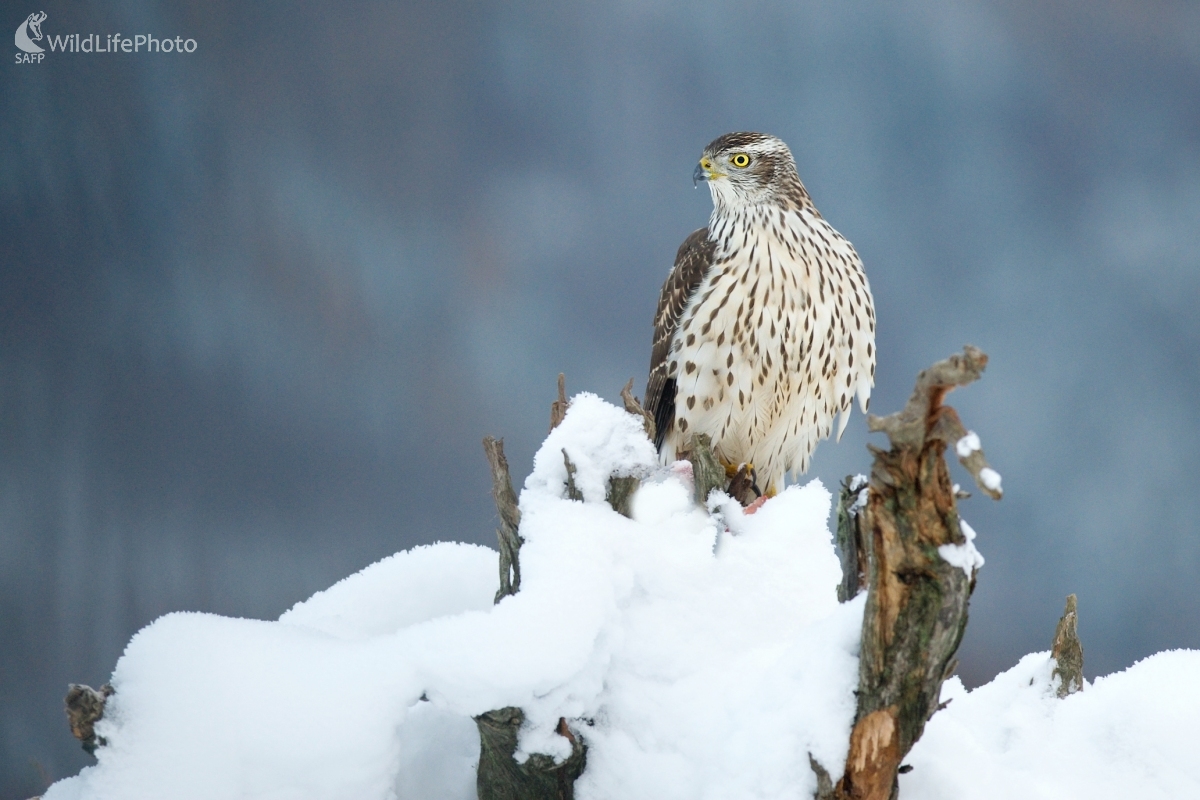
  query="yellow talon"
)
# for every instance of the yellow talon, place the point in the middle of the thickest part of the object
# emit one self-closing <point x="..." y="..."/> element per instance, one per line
<point x="732" y="469"/>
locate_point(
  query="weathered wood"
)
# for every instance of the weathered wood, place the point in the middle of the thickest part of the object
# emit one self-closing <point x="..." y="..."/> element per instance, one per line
<point x="849" y="537"/>
<point x="1067" y="651"/>
<point x="510" y="519"/>
<point x="620" y="494"/>
<point x="500" y="777"/>
<point x="573" y="492"/>
<point x="825" y="788"/>
<point x="620" y="489"/>
<point x="558" y="409"/>
<point x="634" y="406"/>
<point x="924" y="418"/>
<point x="707" y="472"/>
<point x="85" y="707"/>
<point x="916" y="608"/>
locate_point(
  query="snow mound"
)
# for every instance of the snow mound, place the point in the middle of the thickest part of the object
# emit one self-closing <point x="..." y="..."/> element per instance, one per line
<point x="1131" y="734"/>
<point x="696" y="662"/>
<point x="401" y="590"/>
<point x="701" y="654"/>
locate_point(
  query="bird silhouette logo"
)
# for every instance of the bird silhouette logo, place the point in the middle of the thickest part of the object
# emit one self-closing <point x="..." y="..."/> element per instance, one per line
<point x="31" y="25"/>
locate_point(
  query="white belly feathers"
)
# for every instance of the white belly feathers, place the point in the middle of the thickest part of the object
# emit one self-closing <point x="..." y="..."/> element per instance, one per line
<point x="777" y="340"/>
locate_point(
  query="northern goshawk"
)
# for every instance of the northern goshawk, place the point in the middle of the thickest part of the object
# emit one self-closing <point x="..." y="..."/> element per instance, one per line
<point x="765" y="329"/>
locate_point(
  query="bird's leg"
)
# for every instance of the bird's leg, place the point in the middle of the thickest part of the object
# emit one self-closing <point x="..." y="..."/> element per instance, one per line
<point x="732" y="469"/>
<point x="743" y="485"/>
<point x="763" y="497"/>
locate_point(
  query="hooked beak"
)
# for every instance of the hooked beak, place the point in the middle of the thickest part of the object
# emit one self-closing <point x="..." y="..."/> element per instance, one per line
<point x="705" y="171"/>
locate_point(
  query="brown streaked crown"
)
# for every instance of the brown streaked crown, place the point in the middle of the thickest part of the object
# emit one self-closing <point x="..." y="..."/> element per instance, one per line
<point x="772" y="174"/>
<point x="741" y="139"/>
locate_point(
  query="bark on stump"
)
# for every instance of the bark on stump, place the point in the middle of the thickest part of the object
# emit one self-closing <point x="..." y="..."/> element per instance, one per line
<point x="707" y="472"/>
<point x="849" y="537"/>
<point x="916" y="609"/>
<point x="500" y="777"/>
<point x="1067" y="651"/>
<point x="85" y="707"/>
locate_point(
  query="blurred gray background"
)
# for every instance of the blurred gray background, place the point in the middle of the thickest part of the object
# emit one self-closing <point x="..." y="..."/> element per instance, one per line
<point x="259" y="304"/>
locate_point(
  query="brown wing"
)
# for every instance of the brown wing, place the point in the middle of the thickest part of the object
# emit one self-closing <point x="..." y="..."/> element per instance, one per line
<point x="691" y="265"/>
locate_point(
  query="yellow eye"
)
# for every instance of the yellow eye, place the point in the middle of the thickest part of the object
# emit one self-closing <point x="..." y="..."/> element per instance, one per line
<point x="740" y="160"/>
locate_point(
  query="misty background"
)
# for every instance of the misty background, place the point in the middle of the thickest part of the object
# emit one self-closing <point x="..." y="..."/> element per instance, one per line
<point x="260" y="303"/>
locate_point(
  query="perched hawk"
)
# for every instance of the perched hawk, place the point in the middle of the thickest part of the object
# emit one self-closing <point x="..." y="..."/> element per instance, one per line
<point x="765" y="329"/>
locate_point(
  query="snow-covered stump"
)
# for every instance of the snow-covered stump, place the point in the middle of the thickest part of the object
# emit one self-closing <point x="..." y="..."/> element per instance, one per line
<point x="919" y="573"/>
<point x="698" y="652"/>
<point x="499" y="775"/>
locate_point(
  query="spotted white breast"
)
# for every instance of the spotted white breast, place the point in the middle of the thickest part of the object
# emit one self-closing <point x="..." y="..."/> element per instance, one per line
<point x="776" y="340"/>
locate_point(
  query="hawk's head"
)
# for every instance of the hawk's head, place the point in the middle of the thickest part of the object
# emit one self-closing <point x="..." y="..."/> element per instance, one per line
<point x="749" y="168"/>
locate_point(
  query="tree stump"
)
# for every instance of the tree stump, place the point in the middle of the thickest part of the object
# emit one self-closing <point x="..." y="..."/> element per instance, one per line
<point x="916" y="609"/>
<point x="499" y="776"/>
